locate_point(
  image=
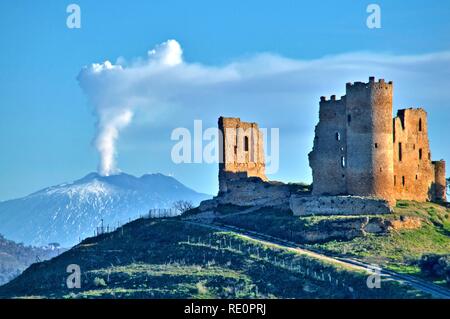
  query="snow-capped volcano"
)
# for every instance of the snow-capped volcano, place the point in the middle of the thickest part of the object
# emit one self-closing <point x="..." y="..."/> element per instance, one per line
<point x="67" y="212"/>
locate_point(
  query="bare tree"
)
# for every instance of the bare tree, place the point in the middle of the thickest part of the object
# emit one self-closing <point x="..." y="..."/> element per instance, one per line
<point x="183" y="206"/>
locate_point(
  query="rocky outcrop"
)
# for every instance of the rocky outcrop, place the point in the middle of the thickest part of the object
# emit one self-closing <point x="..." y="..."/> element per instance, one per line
<point x="349" y="228"/>
<point x="404" y="222"/>
<point x="251" y="191"/>
<point x="337" y="205"/>
<point x="360" y="226"/>
<point x="311" y="230"/>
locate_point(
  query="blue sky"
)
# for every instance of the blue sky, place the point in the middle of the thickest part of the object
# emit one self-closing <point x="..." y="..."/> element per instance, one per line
<point x="48" y="124"/>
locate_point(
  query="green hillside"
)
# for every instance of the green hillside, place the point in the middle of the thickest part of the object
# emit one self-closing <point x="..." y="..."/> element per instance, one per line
<point x="402" y="250"/>
<point x="172" y="258"/>
<point x="399" y="250"/>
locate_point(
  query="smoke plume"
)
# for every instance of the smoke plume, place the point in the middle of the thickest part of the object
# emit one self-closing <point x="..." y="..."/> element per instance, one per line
<point x="113" y="104"/>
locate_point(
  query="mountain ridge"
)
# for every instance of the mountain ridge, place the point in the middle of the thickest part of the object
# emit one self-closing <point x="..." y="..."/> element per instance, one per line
<point x="68" y="212"/>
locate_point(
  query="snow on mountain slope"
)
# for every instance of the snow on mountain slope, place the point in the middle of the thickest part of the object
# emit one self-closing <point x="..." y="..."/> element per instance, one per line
<point x="67" y="212"/>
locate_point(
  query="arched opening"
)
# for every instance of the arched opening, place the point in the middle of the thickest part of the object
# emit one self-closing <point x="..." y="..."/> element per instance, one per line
<point x="420" y="125"/>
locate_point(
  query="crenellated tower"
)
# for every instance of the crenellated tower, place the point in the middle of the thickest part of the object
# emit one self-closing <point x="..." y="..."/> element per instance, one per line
<point x="369" y="163"/>
<point x="360" y="149"/>
<point x="329" y="153"/>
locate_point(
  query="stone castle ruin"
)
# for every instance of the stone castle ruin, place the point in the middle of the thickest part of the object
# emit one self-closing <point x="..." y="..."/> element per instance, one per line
<point x="362" y="160"/>
<point x="360" y="150"/>
<point x="241" y="151"/>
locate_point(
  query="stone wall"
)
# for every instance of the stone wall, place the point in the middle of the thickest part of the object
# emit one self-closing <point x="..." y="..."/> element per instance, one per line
<point x="254" y="192"/>
<point x="337" y="205"/>
<point x="242" y="190"/>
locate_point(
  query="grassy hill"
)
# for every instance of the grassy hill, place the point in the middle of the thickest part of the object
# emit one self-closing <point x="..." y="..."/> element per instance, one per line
<point x="399" y="250"/>
<point x="172" y="258"/>
<point x="175" y="258"/>
<point x="402" y="250"/>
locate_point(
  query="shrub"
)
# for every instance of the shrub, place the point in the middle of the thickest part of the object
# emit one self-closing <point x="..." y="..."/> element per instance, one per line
<point x="99" y="282"/>
<point x="202" y="290"/>
<point x="402" y="204"/>
<point x="437" y="266"/>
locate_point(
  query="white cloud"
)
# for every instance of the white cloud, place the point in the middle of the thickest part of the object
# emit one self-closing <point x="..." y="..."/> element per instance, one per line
<point x="169" y="53"/>
<point x="273" y="90"/>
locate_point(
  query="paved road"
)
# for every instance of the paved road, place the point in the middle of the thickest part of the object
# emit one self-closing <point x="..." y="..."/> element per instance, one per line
<point x="422" y="285"/>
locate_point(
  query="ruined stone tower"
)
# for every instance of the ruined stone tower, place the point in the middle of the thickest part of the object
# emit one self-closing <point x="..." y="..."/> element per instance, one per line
<point x="414" y="170"/>
<point x="440" y="181"/>
<point x="360" y="150"/>
<point x="369" y="163"/>
<point x="241" y="151"/>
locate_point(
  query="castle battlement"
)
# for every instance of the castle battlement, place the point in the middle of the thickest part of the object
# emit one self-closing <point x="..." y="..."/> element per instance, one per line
<point x="360" y="149"/>
<point x="323" y="99"/>
<point x="372" y="84"/>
